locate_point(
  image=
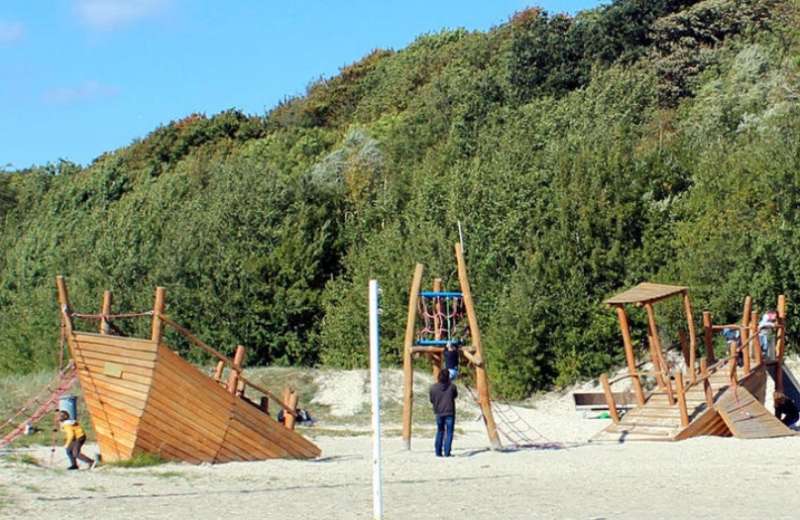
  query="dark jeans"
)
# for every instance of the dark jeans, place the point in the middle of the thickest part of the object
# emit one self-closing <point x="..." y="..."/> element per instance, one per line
<point x="74" y="452"/>
<point x="444" y="434"/>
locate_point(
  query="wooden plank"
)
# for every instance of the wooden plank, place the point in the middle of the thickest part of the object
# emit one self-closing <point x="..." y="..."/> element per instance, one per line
<point x="112" y="350"/>
<point x="612" y="406"/>
<point x="120" y="360"/>
<point x="645" y="292"/>
<point x="144" y="345"/>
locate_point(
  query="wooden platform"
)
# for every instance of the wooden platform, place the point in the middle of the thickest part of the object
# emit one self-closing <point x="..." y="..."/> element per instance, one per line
<point x="740" y="413"/>
<point x="142" y="397"/>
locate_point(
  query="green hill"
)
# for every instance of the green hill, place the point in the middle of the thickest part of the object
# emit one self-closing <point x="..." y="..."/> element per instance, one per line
<point x="640" y="140"/>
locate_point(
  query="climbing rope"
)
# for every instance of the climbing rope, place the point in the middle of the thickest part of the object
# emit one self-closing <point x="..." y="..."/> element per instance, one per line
<point x="40" y="405"/>
<point x="513" y="427"/>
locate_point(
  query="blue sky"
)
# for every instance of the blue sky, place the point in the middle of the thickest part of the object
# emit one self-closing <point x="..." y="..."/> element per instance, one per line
<point x="80" y="77"/>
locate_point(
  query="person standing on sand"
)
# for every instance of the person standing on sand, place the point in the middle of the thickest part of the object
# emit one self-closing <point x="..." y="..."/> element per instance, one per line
<point x="443" y="398"/>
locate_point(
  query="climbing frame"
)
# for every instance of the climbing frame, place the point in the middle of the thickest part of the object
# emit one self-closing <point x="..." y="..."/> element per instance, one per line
<point x="437" y="332"/>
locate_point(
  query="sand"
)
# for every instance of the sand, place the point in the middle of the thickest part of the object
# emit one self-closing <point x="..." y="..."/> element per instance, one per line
<point x="700" y="478"/>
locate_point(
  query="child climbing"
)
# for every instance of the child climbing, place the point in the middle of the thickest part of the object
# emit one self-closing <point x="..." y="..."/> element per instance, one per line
<point x="443" y="398"/>
<point x="75" y="438"/>
<point x="451" y="360"/>
<point x="785" y="409"/>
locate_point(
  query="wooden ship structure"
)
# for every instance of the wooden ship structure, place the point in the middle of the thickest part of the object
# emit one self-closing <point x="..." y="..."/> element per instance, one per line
<point x="439" y="311"/>
<point x="705" y="396"/>
<point x="143" y="397"/>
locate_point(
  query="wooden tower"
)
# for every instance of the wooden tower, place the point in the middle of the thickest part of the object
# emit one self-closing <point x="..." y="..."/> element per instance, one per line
<point x="472" y="353"/>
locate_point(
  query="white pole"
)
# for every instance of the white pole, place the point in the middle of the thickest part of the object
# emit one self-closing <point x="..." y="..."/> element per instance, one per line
<point x="375" y="382"/>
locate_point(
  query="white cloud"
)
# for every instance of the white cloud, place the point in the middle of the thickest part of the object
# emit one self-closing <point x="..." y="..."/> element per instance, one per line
<point x="110" y="14"/>
<point x="11" y="32"/>
<point x="86" y="91"/>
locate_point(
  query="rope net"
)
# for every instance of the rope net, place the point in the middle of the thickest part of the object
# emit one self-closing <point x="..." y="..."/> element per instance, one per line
<point x="443" y="319"/>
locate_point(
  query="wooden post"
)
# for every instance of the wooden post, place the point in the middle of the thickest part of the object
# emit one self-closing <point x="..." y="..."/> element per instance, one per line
<point x="158" y="310"/>
<point x="63" y="301"/>
<point x="218" y="371"/>
<point x="482" y="382"/>
<point x="436" y="358"/>
<point x="656" y="343"/>
<point x="264" y="404"/>
<point x="708" y="337"/>
<point x="706" y="383"/>
<point x="681" y="391"/>
<point x="745" y="332"/>
<point x="612" y="405"/>
<point x="105" y="327"/>
<point x="630" y="358"/>
<point x="292" y="404"/>
<point x="236" y="369"/>
<point x="687" y="307"/>
<point x="780" y="342"/>
<point x="757" y="354"/>
<point x="684" y="348"/>
<point x="408" y="367"/>
<point x="732" y="364"/>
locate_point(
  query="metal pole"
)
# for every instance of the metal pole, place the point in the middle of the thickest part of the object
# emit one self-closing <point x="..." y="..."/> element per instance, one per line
<point x="375" y="384"/>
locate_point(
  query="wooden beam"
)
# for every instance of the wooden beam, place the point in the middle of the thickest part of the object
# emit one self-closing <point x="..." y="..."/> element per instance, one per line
<point x="757" y="354"/>
<point x="481" y="380"/>
<point x="63" y="301"/>
<point x="708" y="337"/>
<point x="236" y="369"/>
<point x="158" y="310"/>
<point x="745" y="332"/>
<point x="681" y="391"/>
<point x="612" y="405"/>
<point x="408" y="367"/>
<point x="658" y="353"/>
<point x="105" y="310"/>
<point x="475" y="359"/>
<point x="732" y="363"/>
<point x="289" y="418"/>
<point x="780" y="342"/>
<point x="436" y="358"/>
<point x="218" y="371"/>
<point x="709" y="393"/>
<point x="630" y="358"/>
<point x="687" y="307"/>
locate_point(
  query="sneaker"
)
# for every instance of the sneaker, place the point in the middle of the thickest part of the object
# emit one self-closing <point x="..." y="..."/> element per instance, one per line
<point x="73" y="467"/>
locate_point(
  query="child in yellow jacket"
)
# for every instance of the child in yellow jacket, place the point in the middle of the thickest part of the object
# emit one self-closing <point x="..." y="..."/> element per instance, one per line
<point x="74" y="439"/>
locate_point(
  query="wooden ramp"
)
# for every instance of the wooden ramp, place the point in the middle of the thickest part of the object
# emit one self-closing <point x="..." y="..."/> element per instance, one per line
<point x="746" y="418"/>
<point x="740" y="414"/>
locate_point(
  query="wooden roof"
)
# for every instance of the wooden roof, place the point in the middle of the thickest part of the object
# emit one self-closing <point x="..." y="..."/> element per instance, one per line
<point x="645" y="292"/>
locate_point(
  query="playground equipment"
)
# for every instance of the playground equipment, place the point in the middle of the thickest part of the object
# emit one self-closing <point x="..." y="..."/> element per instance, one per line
<point x="143" y="397"/>
<point x="442" y="313"/>
<point x="707" y="398"/>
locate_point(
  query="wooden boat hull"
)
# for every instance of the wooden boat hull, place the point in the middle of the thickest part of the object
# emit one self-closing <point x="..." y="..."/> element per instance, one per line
<point x="142" y="397"/>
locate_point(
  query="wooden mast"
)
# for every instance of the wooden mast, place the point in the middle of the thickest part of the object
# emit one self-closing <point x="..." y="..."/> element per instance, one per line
<point x="63" y="301"/>
<point x="158" y="310"/>
<point x="708" y="337"/>
<point x="408" y="368"/>
<point x="780" y="342"/>
<point x="480" y="370"/>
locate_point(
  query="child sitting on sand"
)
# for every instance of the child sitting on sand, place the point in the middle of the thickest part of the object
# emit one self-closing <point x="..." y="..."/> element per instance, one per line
<point x="75" y="438"/>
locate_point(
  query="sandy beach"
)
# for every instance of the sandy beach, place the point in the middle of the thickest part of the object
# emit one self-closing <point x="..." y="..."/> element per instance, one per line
<point x="700" y="478"/>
